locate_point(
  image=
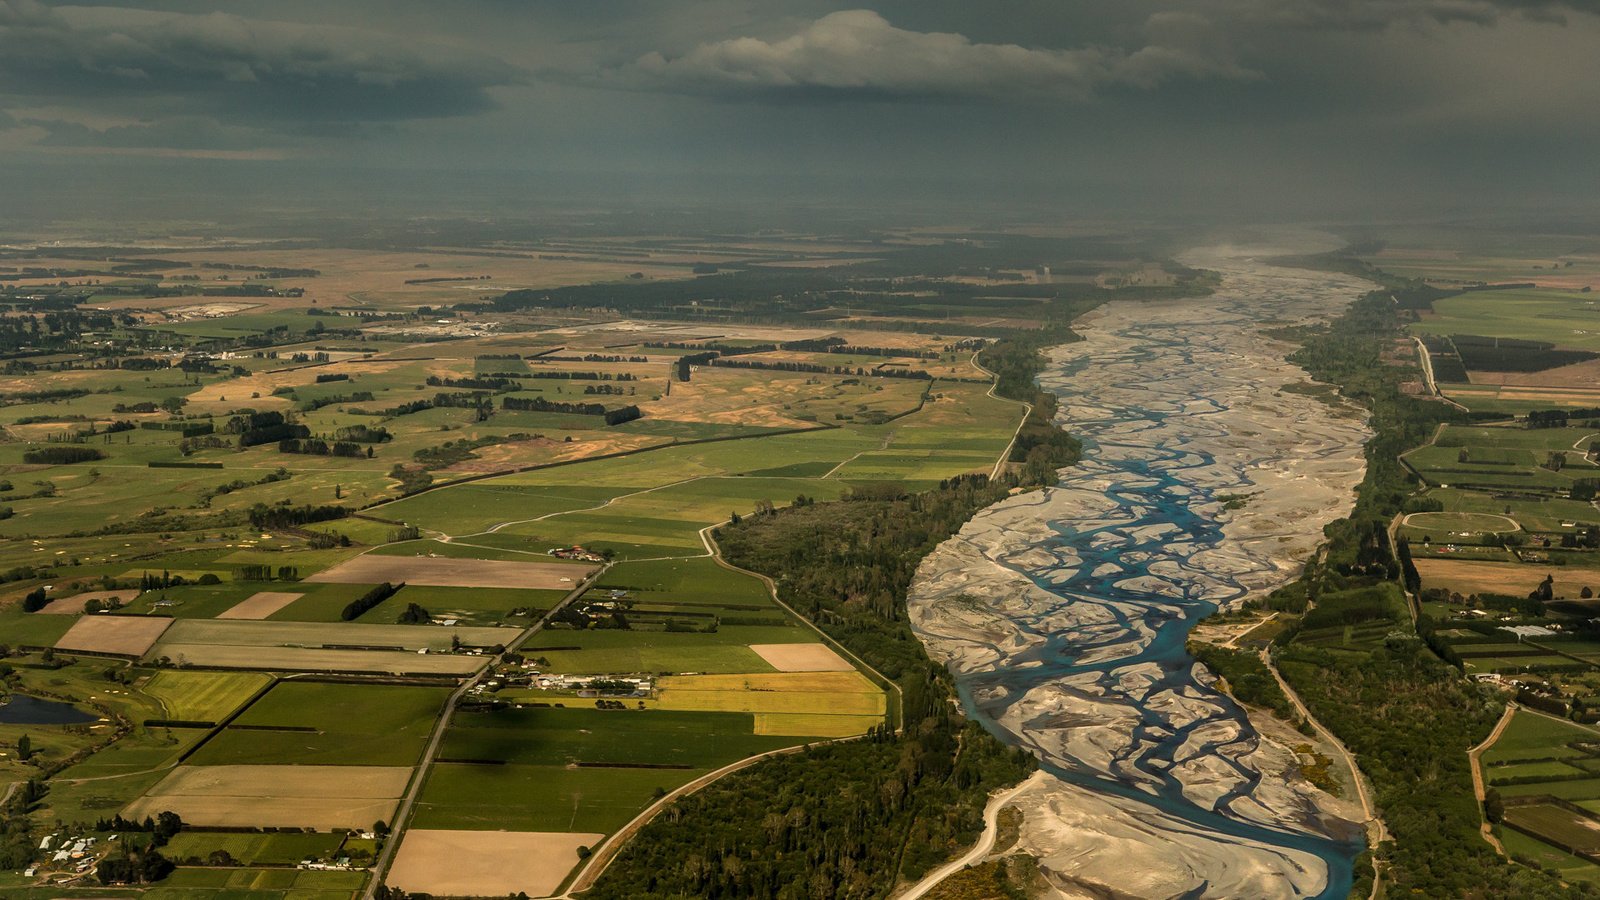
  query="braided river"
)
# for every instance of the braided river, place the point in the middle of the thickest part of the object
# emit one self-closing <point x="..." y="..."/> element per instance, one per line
<point x="1064" y="612"/>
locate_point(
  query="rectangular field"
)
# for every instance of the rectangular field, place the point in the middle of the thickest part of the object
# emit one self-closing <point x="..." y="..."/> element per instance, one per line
<point x="71" y="606"/>
<point x="543" y="798"/>
<point x="302" y="659"/>
<point x="1557" y="824"/>
<point x="321" y="797"/>
<point x="812" y="657"/>
<point x="486" y="863"/>
<point x="119" y="635"/>
<point x="260" y="605"/>
<point x="315" y="723"/>
<point x="650" y="738"/>
<point x="254" y="849"/>
<point x="726" y="651"/>
<point x="248" y="633"/>
<point x="203" y="696"/>
<point x="445" y="572"/>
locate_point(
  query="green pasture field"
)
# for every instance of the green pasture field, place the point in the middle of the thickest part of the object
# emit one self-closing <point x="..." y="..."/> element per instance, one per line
<point x="72" y="801"/>
<point x="268" y="633"/>
<point x="620" y="652"/>
<point x="1564" y="318"/>
<point x="621" y="737"/>
<point x="699" y="579"/>
<point x="1485" y="398"/>
<point x="1441" y="465"/>
<point x="360" y="531"/>
<point x="1558" y="824"/>
<point x="540" y="798"/>
<point x="20" y="629"/>
<point x="1508" y="257"/>
<point x="477" y="546"/>
<point x="471" y="508"/>
<point x="1537" y="440"/>
<point x="376" y="725"/>
<point x="208" y="601"/>
<point x="142" y="750"/>
<point x="488" y="366"/>
<point x="253" y="849"/>
<point x="203" y="696"/>
<point x="667" y="521"/>
<point x="1570" y="867"/>
<point x="257" y="884"/>
<point x="1580" y="789"/>
<point x="1509" y="648"/>
<point x="1533" y="736"/>
<point x="1517" y="663"/>
<point x="1498" y="775"/>
<point x="1544" y="514"/>
<point x="471" y="606"/>
<point x="323" y="601"/>
<point x="691" y="431"/>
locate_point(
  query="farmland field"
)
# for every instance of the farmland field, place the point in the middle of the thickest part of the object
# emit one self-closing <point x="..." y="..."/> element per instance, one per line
<point x="477" y="863"/>
<point x="329" y="724"/>
<point x="596" y="652"/>
<point x="455" y="573"/>
<point x="203" y="696"/>
<point x="285" y="454"/>
<point x="251" y="849"/>
<point x="321" y="797"/>
<point x="1564" y="318"/>
<point x="644" y="739"/>
<point x="540" y="798"/>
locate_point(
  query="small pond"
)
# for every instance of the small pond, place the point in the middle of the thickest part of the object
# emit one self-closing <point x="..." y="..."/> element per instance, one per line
<point x="21" y="709"/>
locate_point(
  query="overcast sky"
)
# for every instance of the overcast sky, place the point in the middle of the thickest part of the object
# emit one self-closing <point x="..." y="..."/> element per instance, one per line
<point x="1281" y="105"/>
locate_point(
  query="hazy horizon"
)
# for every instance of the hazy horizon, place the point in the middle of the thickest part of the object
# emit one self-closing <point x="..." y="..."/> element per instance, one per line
<point x="1219" y="110"/>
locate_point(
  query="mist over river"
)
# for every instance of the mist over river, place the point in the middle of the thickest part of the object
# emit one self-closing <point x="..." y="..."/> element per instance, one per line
<point x="1064" y="612"/>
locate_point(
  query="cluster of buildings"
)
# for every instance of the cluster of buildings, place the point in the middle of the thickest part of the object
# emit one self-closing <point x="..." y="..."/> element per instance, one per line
<point x="575" y="552"/>
<point x="70" y="854"/>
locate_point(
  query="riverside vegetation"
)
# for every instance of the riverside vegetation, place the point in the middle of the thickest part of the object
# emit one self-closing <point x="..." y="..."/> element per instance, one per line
<point x="1360" y="664"/>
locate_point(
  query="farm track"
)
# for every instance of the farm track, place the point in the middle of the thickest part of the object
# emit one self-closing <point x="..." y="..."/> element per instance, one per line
<point x="1368" y="808"/>
<point x="1427" y="374"/>
<point x="887" y="438"/>
<point x="986" y="841"/>
<point x="1027" y="410"/>
<point x="1474" y="760"/>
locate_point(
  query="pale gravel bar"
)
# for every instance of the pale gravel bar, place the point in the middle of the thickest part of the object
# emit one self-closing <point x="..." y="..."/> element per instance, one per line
<point x="1168" y="384"/>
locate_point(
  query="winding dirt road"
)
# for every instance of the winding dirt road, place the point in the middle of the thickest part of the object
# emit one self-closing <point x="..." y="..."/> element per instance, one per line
<point x="991" y="832"/>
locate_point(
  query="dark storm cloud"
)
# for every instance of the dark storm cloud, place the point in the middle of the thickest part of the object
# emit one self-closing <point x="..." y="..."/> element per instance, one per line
<point x="1379" y="14"/>
<point x="235" y="68"/>
<point x="180" y="133"/>
<point x="859" y="52"/>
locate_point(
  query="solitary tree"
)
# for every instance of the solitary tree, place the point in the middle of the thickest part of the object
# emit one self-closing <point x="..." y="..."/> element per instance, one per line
<point x="24" y="748"/>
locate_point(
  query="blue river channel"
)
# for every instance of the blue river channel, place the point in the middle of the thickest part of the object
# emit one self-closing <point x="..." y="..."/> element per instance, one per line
<point x="1149" y="487"/>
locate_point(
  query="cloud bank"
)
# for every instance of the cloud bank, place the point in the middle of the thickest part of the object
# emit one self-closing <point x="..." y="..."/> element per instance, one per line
<point x="234" y="68"/>
<point x="859" y="53"/>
